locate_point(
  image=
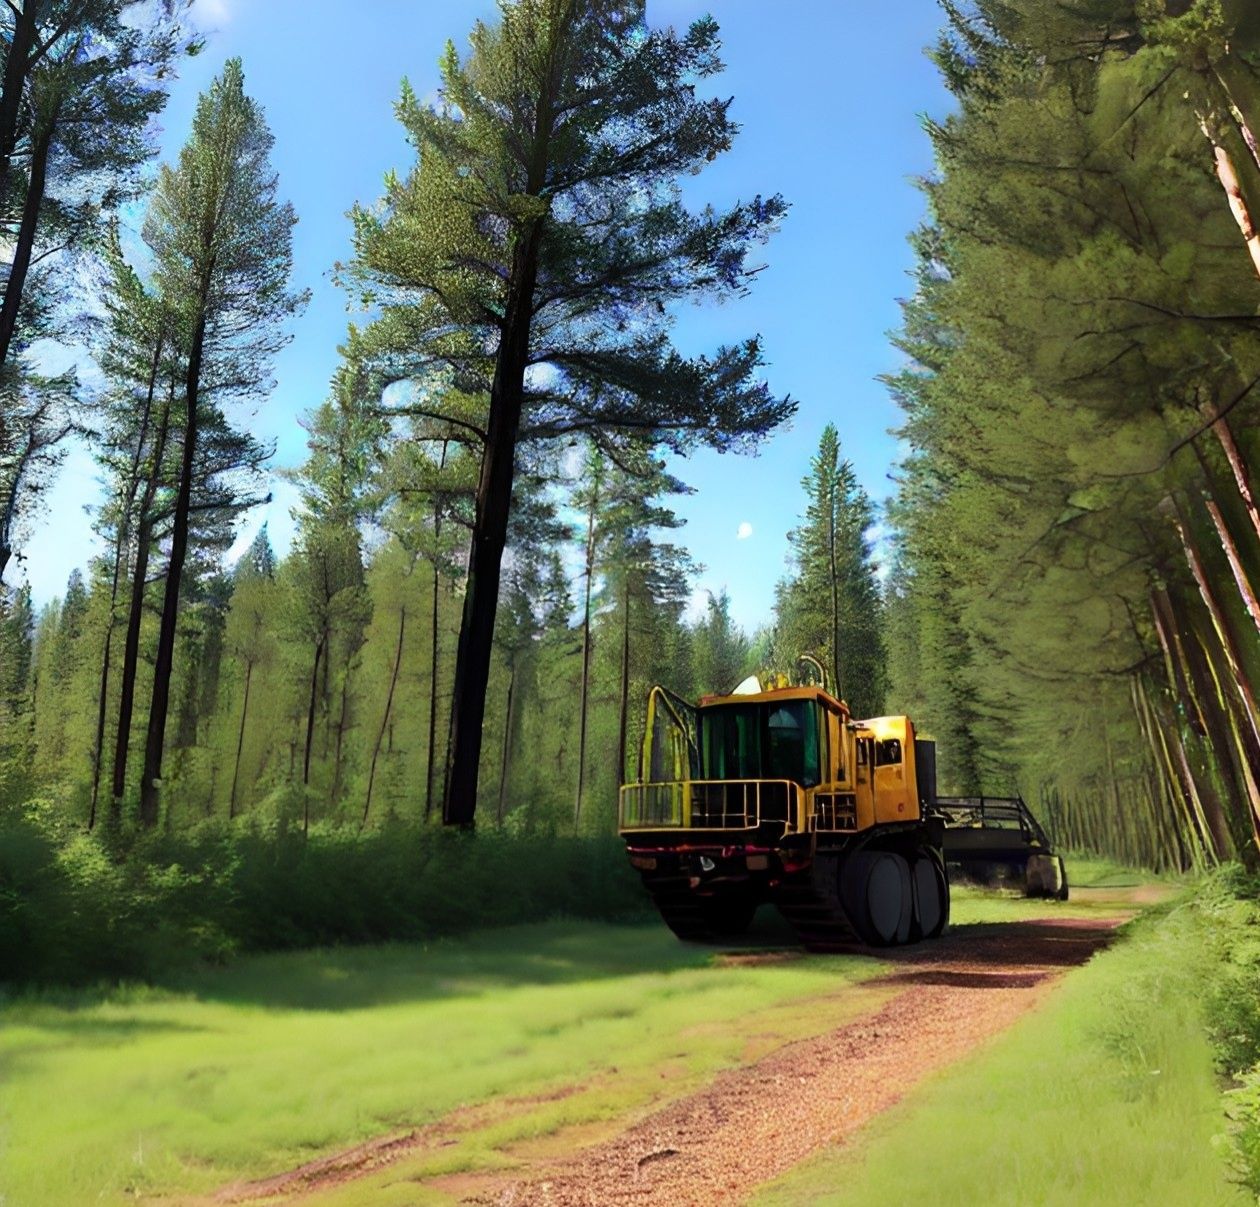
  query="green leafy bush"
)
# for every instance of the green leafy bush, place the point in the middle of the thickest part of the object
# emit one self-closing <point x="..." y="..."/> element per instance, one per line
<point x="73" y="910"/>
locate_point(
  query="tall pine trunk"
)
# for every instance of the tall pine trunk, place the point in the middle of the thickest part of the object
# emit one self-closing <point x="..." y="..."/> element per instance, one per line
<point x="623" y="695"/>
<point x="24" y="246"/>
<point x="433" y="646"/>
<point x="506" y="761"/>
<point x="1228" y="177"/>
<point x="1237" y="464"/>
<point x="121" y="542"/>
<point x="586" y="652"/>
<point x="1221" y="623"/>
<point x="240" y="738"/>
<point x="135" y="612"/>
<point x="13" y="89"/>
<point x="164" y="661"/>
<point x="1198" y="700"/>
<point x="433" y="696"/>
<point x="389" y="705"/>
<point x="494" y="500"/>
<point x="310" y="729"/>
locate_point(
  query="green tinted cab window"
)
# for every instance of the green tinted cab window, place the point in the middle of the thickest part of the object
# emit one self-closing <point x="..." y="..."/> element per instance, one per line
<point x="762" y="741"/>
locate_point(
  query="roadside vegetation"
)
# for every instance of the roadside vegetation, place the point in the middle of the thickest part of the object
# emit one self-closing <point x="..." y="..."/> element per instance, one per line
<point x="1111" y="1092"/>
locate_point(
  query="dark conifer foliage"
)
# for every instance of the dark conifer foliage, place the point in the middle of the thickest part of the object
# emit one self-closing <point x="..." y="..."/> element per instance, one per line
<point x="532" y="256"/>
<point x="830" y="607"/>
<point x="1073" y="606"/>
<point x="80" y="81"/>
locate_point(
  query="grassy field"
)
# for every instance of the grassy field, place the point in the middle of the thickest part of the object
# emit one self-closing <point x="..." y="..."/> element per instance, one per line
<point x="254" y="1068"/>
<point x="536" y="1035"/>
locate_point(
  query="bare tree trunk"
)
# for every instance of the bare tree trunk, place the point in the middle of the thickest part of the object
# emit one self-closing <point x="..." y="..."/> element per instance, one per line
<point x="624" y="694"/>
<point x="164" y="662"/>
<point x="433" y="697"/>
<point x="120" y="553"/>
<point x="1199" y="704"/>
<point x="1237" y="464"/>
<point x="389" y="704"/>
<point x="1233" y="189"/>
<point x="1221" y="622"/>
<point x="507" y="741"/>
<point x="1244" y="129"/>
<point x="1234" y="739"/>
<point x="240" y="739"/>
<point x="310" y="733"/>
<point x="1245" y="590"/>
<point x="433" y="648"/>
<point x="586" y="651"/>
<point x="494" y="501"/>
<point x="341" y="734"/>
<point x="135" y="614"/>
<point x="24" y="247"/>
<point x="17" y="65"/>
<point x="1178" y="774"/>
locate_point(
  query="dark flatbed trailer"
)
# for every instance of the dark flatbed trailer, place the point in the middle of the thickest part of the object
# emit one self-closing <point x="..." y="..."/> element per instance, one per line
<point x="997" y="840"/>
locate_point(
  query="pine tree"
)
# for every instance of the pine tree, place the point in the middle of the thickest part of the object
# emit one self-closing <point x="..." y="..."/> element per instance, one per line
<point x="222" y="246"/>
<point x="722" y="650"/>
<point x="543" y="227"/>
<point x="831" y="608"/>
<point x="79" y="86"/>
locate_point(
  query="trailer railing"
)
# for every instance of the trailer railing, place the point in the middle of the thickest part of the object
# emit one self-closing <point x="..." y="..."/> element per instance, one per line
<point x="708" y="805"/>
<point x="991" y="813"/>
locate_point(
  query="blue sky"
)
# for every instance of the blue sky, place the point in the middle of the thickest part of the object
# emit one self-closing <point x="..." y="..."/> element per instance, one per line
<point x="829" y="96"/>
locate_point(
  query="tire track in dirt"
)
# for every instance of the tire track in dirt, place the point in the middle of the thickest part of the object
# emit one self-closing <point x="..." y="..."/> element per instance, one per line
<point x="753" y="1123"/>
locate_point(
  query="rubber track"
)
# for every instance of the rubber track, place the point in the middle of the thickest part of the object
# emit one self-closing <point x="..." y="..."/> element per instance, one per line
<point x="680" y="907"/>
<point x="816" y="915"/>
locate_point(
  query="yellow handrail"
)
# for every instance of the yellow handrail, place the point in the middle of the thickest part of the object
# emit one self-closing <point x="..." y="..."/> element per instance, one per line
<point x="709" y="804"/>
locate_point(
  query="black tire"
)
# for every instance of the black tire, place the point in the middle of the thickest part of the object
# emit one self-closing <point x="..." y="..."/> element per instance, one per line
<point x="931" y="895"/>
<point x="875" y="887"/>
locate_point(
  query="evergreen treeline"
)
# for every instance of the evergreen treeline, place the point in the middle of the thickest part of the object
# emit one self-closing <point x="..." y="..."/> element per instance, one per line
<point x="486" y="575"/>
<point x="1073" y="607"/>
<point x="482" y="584"/>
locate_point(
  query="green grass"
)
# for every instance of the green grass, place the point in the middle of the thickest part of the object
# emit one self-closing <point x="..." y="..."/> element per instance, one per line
<point x="1106" y="1094"/>
<point x="531" y="1040"/>
<point x="252" y="1069"/>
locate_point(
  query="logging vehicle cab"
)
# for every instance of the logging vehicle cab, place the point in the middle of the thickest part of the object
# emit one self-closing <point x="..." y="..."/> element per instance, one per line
<point x="774" y="793"/>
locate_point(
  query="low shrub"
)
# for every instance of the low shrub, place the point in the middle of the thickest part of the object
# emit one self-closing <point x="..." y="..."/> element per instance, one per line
<point x="73" y="909"/>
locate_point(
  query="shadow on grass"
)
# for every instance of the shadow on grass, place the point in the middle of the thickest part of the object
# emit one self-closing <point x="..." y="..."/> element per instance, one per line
<point x="567" y="952"/>
<point x="540" y="954"/>
<point x="535" y="954"/>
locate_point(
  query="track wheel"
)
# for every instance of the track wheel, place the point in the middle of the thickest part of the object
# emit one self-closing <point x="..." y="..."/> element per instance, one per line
<point x="931" y="896"/>
<point x="879" y="897"/>
<point x="730" y="913"/>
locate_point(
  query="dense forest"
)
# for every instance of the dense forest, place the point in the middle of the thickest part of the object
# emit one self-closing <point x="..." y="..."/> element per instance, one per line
<point x="488" y="571"/>
<point x="1072" y="607"/>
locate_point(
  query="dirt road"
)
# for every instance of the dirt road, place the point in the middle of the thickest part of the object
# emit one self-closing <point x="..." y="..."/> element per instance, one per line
<point x="753" y="1123"/>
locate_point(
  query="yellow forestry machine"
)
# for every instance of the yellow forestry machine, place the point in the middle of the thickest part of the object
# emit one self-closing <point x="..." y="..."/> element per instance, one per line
<point x="773" y="793"/>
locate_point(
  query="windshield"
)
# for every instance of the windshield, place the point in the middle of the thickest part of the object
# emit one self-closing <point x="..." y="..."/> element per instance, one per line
<point x="776" y="741"/>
